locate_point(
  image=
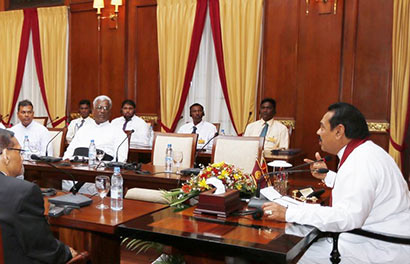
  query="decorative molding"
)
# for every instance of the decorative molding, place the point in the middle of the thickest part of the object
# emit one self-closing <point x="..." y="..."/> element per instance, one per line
<point x="149" y="118"/>
<point x="379" y="127"/>
<point x="289" y="123"/>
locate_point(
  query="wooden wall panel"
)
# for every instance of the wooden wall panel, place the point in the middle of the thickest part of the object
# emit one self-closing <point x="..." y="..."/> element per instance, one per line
<point x="142" y="47"/>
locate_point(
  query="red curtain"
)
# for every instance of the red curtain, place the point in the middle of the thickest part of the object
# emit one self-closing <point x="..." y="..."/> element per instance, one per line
<point x="193" y="54"/>
<point x="214" y="15"/>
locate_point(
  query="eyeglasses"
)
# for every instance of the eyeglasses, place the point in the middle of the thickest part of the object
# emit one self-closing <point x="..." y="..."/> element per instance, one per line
<point x="100" y="108"/>
<point x="20" y="150"/>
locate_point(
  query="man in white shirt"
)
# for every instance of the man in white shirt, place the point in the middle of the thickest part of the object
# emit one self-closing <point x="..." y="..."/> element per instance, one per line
<point x="84" y="109"/>
<point x="2" y="126"/>
<point x="109" y="138"/>
<point x="38" y="134"/>
<point x="369" y="192"/>
<point x="205" y="130"/>
<point x="275" y="133"/>
<point x="129" y="121"/>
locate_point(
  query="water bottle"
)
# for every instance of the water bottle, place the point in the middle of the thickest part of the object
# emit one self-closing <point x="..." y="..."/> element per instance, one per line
<point x="168" y="158"/>
<point x="92" y="155"/>
<point x="116" y="190"/>
<point x="26" y="147"/>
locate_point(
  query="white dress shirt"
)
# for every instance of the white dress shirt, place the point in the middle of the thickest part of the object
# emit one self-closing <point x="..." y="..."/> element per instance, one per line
<point x="141" y="135"/>
<point x="205" y="131"/>
<point x="38" y="137"/>
<point x="369" y="192"/>
<point x="75" y="125"/>
<point x="106" y="137"/>
<point x="277" y="136"/>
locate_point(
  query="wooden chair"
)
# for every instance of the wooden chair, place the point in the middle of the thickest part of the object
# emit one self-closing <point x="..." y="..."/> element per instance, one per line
<point x="335" y="255"/>
<point x="58" y="143"/>
<point x="41" y="119"/>
<point x="150" y="118"/>
<point x="182" y="142"/>
<point x="239" y="151"/>
<point x="218" y="126"/>
<point x="81" y="258"/>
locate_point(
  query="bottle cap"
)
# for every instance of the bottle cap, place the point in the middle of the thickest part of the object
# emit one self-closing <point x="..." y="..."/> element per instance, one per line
<point x="92" y="140"/>
<point x="117" y="169"/>
<point x="169" y="145"/>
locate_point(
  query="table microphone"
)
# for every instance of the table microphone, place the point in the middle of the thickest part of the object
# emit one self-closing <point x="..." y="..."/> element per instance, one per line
<point x="116" y="163"/>
<point x="326" y="158"/>
<point x="69" y="199"/>
<point x="203" y="147"/>
<point x="320" y="170"/>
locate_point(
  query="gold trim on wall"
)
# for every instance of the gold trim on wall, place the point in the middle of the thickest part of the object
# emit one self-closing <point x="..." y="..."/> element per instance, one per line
<point x="289" y="123"/>
<point x="379" y="127"/>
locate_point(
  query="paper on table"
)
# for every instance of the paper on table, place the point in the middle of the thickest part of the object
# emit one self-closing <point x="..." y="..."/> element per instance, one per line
<point x="217" y="183"/>
<point x="274" y="196"/>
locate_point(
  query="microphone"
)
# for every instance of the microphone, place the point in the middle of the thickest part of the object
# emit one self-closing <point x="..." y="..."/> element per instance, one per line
<point x="326" y="158"/>
<point x="203" y="147"/>
<point x="116" y="163"/>
<point x="320" y="170"/>
<point x="48" y="143"/>
<point x="52" y="121"/>
<point x="69" y="199"/>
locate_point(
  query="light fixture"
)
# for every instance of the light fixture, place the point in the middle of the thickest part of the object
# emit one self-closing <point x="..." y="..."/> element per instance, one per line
<point x="99" y="4"/>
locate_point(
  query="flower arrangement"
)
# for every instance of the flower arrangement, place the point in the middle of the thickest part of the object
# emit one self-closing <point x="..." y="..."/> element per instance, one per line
<point x="231" y="177"/>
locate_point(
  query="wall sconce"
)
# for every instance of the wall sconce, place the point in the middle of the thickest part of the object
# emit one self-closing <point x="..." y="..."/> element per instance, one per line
<point x="324" y="6"/>
<point x="99" y="4"/>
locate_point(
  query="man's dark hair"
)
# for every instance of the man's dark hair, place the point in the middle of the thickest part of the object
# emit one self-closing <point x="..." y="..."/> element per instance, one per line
<point x="128" y="102"/>
<point x="85" y="101"/>
<point x="24" y="103"/>
<point x="196" y="104"/>
<point x="351" y="118"/>
<point x="5" y="139"/>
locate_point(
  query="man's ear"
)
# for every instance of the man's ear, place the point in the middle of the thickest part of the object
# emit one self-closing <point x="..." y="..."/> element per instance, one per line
<point x="340" y="131"/>
<point x="5" y="156"/>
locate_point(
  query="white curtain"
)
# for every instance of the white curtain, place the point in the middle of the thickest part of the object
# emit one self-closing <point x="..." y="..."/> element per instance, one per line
<point x="30" y="89"/>
<point x="206" y="87"/>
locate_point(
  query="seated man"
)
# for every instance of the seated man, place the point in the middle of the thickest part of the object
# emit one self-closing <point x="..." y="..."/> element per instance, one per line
<point x="275" y="133"/>
<point x="109" y="138"/>
<point x="129" y="121"/>
<point x="84" y="109"/>
<point x="369" y="192"/>
<point x="38" y="134"/>
<point x="27" y="237"/>
<point x="205" y="130"/>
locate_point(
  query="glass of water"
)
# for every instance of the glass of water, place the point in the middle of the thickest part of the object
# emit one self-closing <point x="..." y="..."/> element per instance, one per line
<point x="102" y="184"/>
<point x="178" y="158"/>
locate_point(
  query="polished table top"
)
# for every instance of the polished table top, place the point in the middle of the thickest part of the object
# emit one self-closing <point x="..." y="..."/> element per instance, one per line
<point x="238" y="236"/>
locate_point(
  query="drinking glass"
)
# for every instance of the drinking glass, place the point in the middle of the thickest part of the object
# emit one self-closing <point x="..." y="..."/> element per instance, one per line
<point x="178" y="157"/>
<point x="100" y="156"/>
<point x="34" y="149"/>
<point x="102" y="184"/>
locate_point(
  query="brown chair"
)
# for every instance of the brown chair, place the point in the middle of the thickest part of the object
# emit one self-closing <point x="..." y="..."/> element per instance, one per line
<point x="41" y="119"/>
<point x="150" y="118"/>
<point x="183" y="142"/>
<point x="239" y="151"/>
<point x="81" y="258"/>
<point x="58" y="143"/>
<point x="218" y="126"/>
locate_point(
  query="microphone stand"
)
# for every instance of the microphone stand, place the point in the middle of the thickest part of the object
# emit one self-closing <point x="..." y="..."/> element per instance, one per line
<point x="116" y="163"/>
<point x="203" y="147"/>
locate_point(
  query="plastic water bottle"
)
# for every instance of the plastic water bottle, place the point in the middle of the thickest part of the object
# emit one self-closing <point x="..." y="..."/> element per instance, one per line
<point x="116" y="190"/>
<point x="168" y="158"/>
<point x="26" y="147"/>
<point x="92" y="154"/>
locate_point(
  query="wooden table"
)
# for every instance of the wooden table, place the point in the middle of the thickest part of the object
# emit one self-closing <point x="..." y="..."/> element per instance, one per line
<point x="94" y="230"/>
<point x="46" y="176"/>
<point x="258" y="241"/>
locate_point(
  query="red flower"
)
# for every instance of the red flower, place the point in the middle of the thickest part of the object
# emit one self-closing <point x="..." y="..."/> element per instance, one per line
<point x="186" y="188"/>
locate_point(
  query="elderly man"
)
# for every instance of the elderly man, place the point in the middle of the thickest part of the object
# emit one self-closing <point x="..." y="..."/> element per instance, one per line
<point x="84" y="109"/>
<point x="369" y="192"/>
<point x="27" y="237"/>
<point x="107" y="137"/>
<point x="129" y="121"/>
<point x="37" y="134"/>
<point x="275" y="133"/>
<point x="205" y="130"/>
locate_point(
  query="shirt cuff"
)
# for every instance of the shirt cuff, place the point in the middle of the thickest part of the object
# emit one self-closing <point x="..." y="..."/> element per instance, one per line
<point x="329" y="180"/>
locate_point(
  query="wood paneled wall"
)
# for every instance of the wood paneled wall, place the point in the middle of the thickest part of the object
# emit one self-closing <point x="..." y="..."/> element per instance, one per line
<point x="308" y="60"/>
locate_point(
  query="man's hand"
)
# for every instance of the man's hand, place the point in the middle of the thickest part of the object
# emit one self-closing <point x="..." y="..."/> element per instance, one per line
<point x="73" y="252"/>
<point x="274" y="211"/>
<point x="317" y="165"/>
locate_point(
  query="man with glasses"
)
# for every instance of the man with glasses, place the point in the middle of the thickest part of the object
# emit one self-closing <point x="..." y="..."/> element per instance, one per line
<point x="106" y="136"/>
<point x="38" y="134"/>
<point x="27" y="237"/>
